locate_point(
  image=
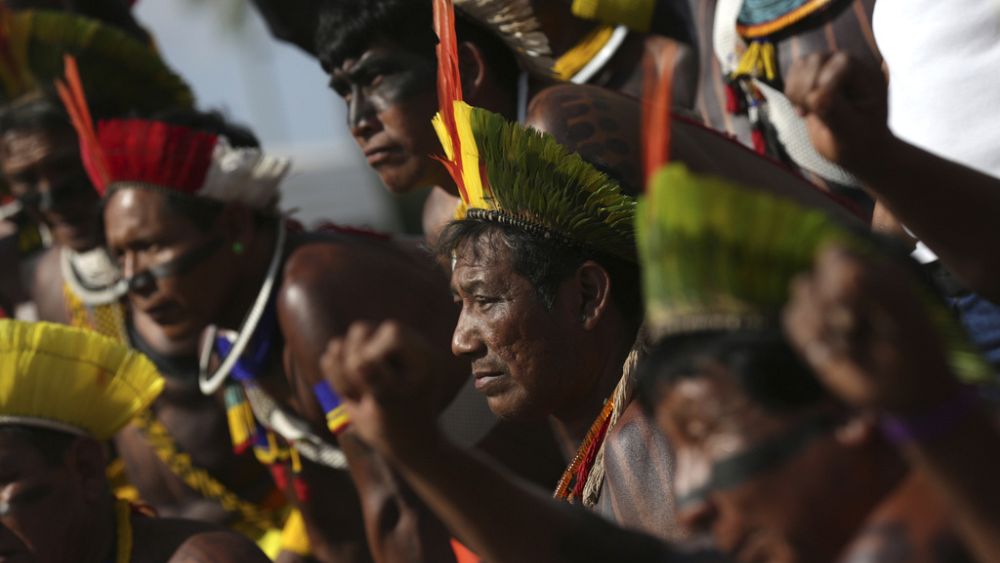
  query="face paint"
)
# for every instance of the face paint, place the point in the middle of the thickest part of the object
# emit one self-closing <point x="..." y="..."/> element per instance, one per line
<point x="178" y="266"/>
<point x="738" y="468"/>
<point x="381" y="79"/>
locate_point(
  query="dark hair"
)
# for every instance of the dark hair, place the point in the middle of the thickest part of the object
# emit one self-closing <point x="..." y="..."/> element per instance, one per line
<point x="51" y="444"/>
<point x="35" y="113"/>
<point x="210" y="122"/>
<point x="348" y="27"/>
<point x="546" y="262"/>
<point x="763" y="363"/>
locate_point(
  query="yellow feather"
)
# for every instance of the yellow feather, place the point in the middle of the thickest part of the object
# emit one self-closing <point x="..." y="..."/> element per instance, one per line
<point x="71" y="377"/>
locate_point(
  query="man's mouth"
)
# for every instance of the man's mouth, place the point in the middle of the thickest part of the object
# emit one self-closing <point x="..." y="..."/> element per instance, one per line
<point x="488" y="382"/>
<point x="380" y="155"/>
<point x="163" y="313"/>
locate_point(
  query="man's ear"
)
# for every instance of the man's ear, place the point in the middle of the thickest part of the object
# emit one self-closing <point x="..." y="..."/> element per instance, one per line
<point x="88" y="463"/>
<point x="595" y="293"/>
<point x="472" y="66"/>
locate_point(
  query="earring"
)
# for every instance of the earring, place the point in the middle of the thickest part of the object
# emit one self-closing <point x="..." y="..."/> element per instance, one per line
<point x="238" y="248"/>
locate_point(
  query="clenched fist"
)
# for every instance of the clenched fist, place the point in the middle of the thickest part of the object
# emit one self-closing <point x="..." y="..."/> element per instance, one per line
<point x="845" y="106"/>
<point x="863" y="330"/>
<point x="383" y="375"/>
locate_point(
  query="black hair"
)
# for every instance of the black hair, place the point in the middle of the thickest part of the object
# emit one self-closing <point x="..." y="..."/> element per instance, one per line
<point x="762" y="362"/>
<point x="51" y="444"/>
<point x="546" y="262"/>
<point x="347" y="28"/>
<point x="35" y="113"/>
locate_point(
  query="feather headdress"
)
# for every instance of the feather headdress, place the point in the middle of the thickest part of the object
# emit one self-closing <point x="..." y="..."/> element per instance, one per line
<point x="153" y="154"/>
<point x="514" y="21"/>
<point x="71" y="380"/>
<point x="514" y="175"/>
<point x="720" y="256"/>
<point x="125" y="73"/>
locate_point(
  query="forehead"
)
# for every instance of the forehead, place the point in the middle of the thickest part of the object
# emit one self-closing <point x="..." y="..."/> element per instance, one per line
<point x="22" y="148"/>
<point x="711" y="404"/>
<point x="379" y="50"/>
<point x="484" y="256"/>
<point x="140" y="213"/>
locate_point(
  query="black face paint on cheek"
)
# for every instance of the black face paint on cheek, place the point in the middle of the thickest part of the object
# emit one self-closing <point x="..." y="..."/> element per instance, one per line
<point x="739" y="468"/>
<point x="24" y="499"/>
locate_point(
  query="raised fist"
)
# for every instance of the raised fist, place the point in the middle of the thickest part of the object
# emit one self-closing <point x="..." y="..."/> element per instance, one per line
<point x="863" y="330"/>
<point x="383" y="375"/>
<point x="845" y="106"/>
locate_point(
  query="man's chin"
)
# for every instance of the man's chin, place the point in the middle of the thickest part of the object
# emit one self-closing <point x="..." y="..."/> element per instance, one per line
<point x="76" y="238"/>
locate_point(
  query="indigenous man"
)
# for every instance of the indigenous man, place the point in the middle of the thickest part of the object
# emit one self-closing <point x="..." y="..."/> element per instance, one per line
<point x="65" y="391"/>
<point x="76" y="281"/>
<point x="543" y="264"/>
<point x="760" y="442"/>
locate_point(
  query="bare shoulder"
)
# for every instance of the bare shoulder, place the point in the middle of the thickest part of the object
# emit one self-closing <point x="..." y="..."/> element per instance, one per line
<point x="637" y="456"/>
<point x="218" y="547"/>
<point x="359" y="277"/>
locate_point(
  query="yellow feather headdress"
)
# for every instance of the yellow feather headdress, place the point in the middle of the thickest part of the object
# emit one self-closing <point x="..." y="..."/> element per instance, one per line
<point x="71" y="380"/>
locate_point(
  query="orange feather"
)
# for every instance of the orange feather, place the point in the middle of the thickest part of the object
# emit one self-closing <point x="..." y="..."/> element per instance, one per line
<point x="449" y="85"/>
<point x="657" y="99"/>
<point x="74" y="98"/>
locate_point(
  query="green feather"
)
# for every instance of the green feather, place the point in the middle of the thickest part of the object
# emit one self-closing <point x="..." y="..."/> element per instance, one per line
<point x="119" y="72"/>
<point x="536" y="180"/>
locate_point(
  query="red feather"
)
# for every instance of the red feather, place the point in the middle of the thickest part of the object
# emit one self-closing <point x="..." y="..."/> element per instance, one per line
<point x="74" y="98"/>
<point x="169" y="156"/>
<point x="449" y="85"/>
<point x="657" y="99"/>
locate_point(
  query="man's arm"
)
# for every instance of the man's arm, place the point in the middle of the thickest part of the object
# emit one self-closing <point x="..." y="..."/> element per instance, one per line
<point x="951" y="208"/>
<point x="382" y="373"/>
<point x="871" y="342"/>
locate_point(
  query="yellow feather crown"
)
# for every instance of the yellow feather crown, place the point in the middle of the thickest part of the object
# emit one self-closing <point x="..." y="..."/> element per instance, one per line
<point x="71" y="380"/>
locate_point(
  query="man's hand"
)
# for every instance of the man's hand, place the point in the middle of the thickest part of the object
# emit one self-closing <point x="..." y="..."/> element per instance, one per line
<point x="865" y="333"/>
<point x="383" y="375"/>
<point x="845" y="107"/>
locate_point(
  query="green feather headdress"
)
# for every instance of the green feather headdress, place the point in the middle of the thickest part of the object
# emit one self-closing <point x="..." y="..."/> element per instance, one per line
<point x="126" y="73"/>
<point x="518" y="176"/>
<point x="718" y="256"/>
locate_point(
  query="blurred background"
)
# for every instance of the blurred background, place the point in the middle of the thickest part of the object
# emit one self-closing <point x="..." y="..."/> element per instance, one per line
<point x="234" y="65"/>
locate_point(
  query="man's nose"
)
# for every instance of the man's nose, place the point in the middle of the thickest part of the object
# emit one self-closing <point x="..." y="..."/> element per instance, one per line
<point x="361" y="116"/>
<point x="465" y="341"/>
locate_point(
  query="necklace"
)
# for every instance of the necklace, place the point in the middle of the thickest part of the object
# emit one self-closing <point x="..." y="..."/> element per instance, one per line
<point x="210" y="383"/>
<point x="91" y="275"/>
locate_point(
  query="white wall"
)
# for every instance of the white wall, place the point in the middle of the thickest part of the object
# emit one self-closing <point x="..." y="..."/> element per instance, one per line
<point x="282" y="94"/>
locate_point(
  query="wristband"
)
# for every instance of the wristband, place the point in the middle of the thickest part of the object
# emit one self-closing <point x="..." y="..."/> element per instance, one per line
<point x="904" y="430"/>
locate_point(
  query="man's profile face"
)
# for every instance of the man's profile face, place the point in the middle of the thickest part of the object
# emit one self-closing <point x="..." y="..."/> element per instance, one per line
<point x="775" y="514"/>
<point x="391" y="97"/>
<point x="522" y="354"/>
<point x="143" y="232"/>
<point x="39" y="505"/>
<point x="43" y="168"/>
